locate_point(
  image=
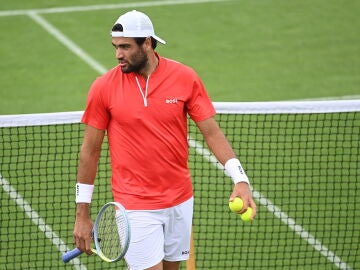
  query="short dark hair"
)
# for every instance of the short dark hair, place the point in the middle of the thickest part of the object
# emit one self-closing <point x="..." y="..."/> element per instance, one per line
<point x="139" y="40"/>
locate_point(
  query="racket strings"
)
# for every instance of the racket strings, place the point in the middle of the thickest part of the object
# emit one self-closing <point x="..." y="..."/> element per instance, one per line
<point x="123" y="230"/>
<point x="109" y="237"/>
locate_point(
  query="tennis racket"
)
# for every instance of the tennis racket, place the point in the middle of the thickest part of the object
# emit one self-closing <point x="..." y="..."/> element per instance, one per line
<point x="111" y="234"/>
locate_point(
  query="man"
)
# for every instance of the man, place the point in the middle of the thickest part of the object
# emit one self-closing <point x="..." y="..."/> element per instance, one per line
<point x="143" y="105"/>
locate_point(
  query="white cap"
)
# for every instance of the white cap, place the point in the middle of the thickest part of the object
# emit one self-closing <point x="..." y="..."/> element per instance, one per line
<point x="136" y="24"/>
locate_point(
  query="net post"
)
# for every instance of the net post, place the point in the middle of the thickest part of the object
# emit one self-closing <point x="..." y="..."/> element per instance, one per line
<point x="191" y="263"/>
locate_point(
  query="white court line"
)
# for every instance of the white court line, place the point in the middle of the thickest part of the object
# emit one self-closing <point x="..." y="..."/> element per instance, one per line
<point x="299" y="230"/>
<point x="105" y="7"/>
<point x="67" y="42"/>
<point x="34" y="14"/>
<point x="38" y="221"/>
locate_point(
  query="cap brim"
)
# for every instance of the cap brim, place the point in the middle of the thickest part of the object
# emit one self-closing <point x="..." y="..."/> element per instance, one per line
<point x="159" y="39"/>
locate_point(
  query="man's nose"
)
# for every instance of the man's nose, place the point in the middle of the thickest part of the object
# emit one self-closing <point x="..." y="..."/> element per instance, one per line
<point x="118" y="53"/>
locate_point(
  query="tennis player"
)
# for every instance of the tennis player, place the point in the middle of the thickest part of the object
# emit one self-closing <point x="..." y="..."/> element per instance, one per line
<point x="143" y="104"/>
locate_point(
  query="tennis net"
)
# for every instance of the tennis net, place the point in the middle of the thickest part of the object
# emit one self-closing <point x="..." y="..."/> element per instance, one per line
<point x="302" y="159"/>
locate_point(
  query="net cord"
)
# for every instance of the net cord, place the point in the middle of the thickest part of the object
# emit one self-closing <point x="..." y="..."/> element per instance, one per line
<point x="277" y="107"/>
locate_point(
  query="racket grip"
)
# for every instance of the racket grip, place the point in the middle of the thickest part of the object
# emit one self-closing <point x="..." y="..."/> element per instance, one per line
<point x="68" y="256"/>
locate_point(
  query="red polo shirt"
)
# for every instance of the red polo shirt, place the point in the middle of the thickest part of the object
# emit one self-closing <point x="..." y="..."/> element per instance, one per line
<point x="147" y="131"/>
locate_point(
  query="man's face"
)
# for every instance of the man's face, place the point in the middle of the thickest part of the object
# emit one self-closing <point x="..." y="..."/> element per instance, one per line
<point x="131" y="56"/>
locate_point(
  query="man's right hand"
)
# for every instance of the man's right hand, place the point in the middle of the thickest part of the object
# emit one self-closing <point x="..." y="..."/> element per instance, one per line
<point x="83" y="228"/>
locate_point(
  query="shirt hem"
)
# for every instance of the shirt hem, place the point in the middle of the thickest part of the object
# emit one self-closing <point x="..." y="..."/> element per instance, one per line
<point x="141" y="205"/>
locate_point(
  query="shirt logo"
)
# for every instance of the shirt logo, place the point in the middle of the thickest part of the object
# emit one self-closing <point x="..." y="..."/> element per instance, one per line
<point x="171" y="100"/>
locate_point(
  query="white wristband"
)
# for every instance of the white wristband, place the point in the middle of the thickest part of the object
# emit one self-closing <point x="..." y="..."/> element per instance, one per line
<point x="235" y="171"/>
<point x="83" y="193"/>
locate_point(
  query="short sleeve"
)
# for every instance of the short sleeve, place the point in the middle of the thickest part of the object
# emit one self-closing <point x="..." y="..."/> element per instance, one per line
<point x="96" y="113"/>
<point x="199" y="105"/>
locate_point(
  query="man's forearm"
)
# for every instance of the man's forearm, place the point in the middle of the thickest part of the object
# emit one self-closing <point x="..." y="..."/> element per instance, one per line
<point x="87" y="167"/>
<point x="86" y="175"/>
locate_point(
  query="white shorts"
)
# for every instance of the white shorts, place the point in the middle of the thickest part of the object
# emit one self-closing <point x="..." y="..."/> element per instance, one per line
<point x="158" y="235"/>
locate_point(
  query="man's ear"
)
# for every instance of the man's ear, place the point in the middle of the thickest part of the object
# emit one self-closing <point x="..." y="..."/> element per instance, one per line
<point x="148" y="43"/>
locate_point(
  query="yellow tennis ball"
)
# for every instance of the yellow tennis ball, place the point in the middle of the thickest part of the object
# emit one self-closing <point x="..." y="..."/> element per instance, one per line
<point x="247" y="215"/>
<point x="236" y="205"/>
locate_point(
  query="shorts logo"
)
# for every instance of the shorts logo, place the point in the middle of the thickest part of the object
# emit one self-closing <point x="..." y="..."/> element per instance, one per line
<point x="171" y="100"/>
<point x="186" y="252"/>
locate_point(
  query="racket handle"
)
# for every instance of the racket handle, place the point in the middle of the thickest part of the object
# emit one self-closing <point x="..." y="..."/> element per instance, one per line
<point x="68" y="256"/>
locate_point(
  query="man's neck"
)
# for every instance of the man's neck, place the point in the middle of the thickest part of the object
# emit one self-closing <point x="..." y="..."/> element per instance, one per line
<point x="150" y="67"/>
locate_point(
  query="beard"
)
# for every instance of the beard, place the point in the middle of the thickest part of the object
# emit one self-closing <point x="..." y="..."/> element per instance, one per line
<point x="136" y="62"/>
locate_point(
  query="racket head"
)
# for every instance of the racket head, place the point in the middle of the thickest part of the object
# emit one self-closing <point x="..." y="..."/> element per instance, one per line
<point x="111" y="232"/>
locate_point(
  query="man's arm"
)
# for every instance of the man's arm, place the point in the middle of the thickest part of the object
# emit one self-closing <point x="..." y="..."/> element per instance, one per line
<point x="89" y="157"/>
<point x="220" y="147"/>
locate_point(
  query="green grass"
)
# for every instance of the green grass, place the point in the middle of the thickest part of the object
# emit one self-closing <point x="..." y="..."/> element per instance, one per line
<point x="244" y="51"/>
